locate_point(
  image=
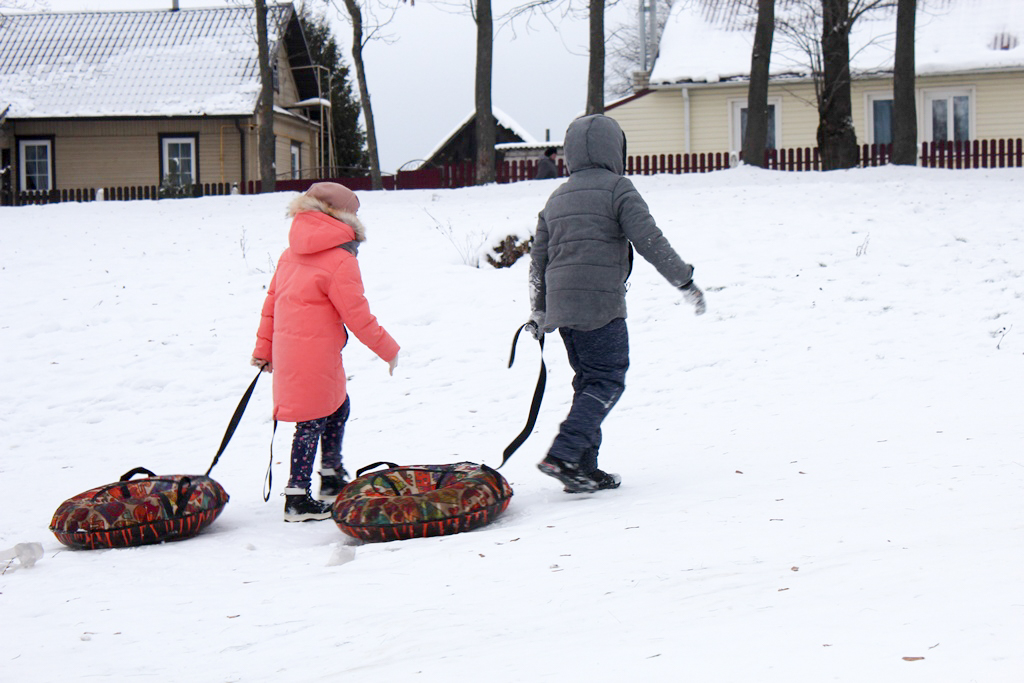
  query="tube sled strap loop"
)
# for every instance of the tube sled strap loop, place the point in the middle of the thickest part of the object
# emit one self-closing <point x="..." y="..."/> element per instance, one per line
<point x="183" y="493"/>
<point x="538" y="395"/>
<point x="138" y="470"/>
<point x="235" y="419"/>
<point x="361" y="470"/>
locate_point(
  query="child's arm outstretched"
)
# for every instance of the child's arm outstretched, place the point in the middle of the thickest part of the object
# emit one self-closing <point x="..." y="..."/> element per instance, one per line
<point x="347" y="294"/>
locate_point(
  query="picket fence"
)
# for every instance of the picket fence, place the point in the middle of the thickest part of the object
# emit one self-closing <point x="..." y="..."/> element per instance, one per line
<point x="132" y="193"/>
<point x="971" y="154"/>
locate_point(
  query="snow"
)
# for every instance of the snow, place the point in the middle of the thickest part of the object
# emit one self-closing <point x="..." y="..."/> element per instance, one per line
<point x="960" y="37"/>
<point x="821" y="476"/>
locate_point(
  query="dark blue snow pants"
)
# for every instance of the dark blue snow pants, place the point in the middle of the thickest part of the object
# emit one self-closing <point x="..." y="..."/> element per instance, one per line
<point x="600" y="359"/>
<point x="328" y="431"/>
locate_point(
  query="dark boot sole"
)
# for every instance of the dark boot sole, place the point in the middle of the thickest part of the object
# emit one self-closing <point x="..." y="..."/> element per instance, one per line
<point x="306" y="516"/>
<point x="578" y="481"/>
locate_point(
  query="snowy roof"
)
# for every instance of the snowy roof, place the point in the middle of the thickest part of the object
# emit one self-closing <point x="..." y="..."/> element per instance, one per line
<point x="502" y="119"/>
<point x="699" y="46"/>
<point x="134" y="63"/>
<point x="529" y="145"/>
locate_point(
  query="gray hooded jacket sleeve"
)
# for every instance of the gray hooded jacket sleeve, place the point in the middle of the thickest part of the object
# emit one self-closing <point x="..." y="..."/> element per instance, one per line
<point x="580" y="255"/>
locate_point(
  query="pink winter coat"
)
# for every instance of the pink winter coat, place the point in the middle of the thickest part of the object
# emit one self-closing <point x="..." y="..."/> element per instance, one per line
<point x="315" y="294"/>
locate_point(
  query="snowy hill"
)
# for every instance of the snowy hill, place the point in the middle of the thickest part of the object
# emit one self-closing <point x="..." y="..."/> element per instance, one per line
<point x="821" y="476"/>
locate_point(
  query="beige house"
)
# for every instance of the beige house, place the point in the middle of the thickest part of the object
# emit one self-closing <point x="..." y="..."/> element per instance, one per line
<point x="969" y="82"/>
<point x="151" y="99"/>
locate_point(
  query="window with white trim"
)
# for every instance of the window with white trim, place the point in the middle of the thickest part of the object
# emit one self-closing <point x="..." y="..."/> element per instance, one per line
<point x="879" y="118"/>
<point x="948" y="114"/>
<point x="178" y="160"/>
<point x="36" y="164"/>
<point x="738" y="123"/>
<point x="296" y="160"/>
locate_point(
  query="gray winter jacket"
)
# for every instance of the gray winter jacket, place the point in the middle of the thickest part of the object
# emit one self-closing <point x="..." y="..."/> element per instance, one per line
<point x="580" y="256"/>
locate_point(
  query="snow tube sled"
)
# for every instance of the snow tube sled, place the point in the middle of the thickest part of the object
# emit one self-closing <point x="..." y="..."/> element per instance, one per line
<point x="420" y="500"/>
<point x="131" y="513"/>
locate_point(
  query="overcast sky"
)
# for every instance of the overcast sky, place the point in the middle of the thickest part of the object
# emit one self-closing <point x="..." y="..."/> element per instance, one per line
<point x="421" y="83"/>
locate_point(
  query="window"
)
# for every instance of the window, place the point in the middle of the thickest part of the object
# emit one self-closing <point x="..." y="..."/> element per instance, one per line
<point x="36" y="164"/>
<point x="738" y="123"/>
<point x="947" y="115"/>
<point x="179" y="165"/>
<point x="881" y="121"/>
<point x="296" y="161"/>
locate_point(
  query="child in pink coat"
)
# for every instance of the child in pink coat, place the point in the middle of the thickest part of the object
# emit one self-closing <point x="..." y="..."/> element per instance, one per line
<point x="315" y="299"/>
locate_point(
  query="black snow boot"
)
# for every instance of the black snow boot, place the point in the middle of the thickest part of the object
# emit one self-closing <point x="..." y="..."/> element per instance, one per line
<point x="602" y="480"/>
<point x="332" y="481"/>
<point x="299" y="506"/>
<point x="569" y="473"/>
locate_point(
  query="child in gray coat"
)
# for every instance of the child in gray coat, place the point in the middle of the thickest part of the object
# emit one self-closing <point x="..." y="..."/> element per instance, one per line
<point x="580" y="259"/>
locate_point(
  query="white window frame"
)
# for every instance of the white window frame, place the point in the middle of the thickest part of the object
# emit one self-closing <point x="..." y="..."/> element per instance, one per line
<point x="869" y="111"/>
<point x="736" y="107"/>
<point x="296" y="157"/>
<point x="22" y="165"/>
<point x="165" y="161"/>
<point x="932" y="94"/>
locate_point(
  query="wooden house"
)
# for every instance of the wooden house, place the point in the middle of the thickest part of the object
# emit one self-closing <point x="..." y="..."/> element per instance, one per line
<point x="152" y="99"/>
<point x="459" y="146"/>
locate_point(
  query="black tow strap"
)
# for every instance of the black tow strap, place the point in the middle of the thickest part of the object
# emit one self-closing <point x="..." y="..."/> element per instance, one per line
<point x="538" y="395"/>
<point x="268" y="481"/>
<point x="235" y="419"/>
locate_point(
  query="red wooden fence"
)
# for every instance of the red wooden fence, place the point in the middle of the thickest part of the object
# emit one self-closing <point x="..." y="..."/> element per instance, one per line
<point x="973" y="154"/>
<point x="132" y="193"/>
<point x="1006" y="153"/>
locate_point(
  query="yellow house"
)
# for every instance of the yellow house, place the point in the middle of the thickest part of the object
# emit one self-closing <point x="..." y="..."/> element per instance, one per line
<point x="148" y="99"/>
<point x="969" y="81"/>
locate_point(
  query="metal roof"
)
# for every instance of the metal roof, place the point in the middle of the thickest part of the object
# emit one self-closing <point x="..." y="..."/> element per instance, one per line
<point x="190" y="62"/>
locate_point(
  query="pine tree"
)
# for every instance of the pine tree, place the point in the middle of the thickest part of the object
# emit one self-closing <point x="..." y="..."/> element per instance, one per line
<point x="350" y="155"/>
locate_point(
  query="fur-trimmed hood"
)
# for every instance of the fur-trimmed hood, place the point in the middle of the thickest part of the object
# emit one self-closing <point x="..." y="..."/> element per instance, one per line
<point x="306" y="203"/>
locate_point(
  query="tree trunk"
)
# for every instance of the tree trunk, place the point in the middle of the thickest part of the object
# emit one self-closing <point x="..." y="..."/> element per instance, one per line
<point x="595" y="74"/>
<point x="837" y="140"/>
<point x="756" y="135"/>
<point x="486" y="134"/>
<point x="904" y="101"/>
<point x="268" y="169"/>
<point x="356" y="15"/>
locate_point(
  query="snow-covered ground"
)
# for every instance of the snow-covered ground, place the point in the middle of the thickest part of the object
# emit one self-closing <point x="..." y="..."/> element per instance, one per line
<point x="822" y="477"/>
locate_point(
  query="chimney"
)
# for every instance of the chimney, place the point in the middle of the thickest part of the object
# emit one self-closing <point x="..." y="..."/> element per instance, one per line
<point x="174" y="6"/>
<point x="641" y="80"/>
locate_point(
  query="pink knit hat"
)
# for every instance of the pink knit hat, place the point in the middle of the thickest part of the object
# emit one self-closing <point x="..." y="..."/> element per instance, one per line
<point x="337" y="196"/>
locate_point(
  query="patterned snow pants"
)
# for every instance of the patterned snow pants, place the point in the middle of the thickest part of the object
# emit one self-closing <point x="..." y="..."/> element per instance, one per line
<point x="600" y="359"/>
<point x="329" y="431"/>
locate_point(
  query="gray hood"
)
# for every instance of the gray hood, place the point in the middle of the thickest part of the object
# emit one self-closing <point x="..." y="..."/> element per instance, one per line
<point x="595" y="142"/>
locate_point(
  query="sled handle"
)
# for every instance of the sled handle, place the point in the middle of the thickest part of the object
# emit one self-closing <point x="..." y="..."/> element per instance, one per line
<point x="138" y="470"/>
<point x="360" y="471"/>
<point x="183" y="495"/>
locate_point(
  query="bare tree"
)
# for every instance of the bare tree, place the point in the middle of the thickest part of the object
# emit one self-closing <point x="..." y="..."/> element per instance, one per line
<point x="268" y="170"/>
<point x="359" y="40"/>
<point x="837" y="139"/>
<point x="595" y="67"/>
<point x="904" y="102"/>
<point x="486" y="127"/>
<point x="821" y="30"/>
<point x="22" y="6"/>
<point x="595" y="70"/>
<point x="756" y="135"/>
<point x="629" y="44"/>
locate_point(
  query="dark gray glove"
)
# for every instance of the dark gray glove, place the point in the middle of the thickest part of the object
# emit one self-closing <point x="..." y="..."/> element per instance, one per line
<point x="693" y="296"/>
<point x="535" y="326"/>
